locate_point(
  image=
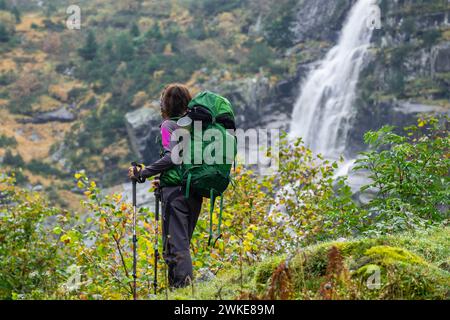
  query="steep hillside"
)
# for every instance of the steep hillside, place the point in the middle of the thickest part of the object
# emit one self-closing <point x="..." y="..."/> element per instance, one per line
<point x="65" y="93"/>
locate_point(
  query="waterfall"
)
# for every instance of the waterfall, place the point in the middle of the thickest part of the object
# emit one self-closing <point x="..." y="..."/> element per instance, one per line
<point x="324" y="107"/>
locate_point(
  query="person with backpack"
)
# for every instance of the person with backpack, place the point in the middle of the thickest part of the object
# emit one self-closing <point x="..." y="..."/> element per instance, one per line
<point x="180" y="214"/>
<point x="184" y="186"/>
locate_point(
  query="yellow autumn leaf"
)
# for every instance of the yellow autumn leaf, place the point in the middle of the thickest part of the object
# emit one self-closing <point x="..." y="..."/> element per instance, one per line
<point x="198" y="263"/>
<point x="117" y="198"/>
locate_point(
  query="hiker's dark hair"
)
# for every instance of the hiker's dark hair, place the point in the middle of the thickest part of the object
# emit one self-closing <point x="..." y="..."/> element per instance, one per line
<point x="174" y="100"/>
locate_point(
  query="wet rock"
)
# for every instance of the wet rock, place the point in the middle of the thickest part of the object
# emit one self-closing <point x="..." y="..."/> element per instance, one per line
<point x="320" y="19"/>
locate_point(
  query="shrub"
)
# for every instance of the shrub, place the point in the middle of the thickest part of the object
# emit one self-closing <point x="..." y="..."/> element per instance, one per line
<point x="261" y="55"/>
<point x="89" y="51"/>
<point x="410" y="174"/>
<point x="431" y="37"/>
<point x="278" y="27"/>
<point x="13" y="160"/>
<point x="4" y="34"/>
<point x="32" y="263"/>
<point x="6" y="141"/>
<point x="42" y="168"/>
<point x="213" y="7"/>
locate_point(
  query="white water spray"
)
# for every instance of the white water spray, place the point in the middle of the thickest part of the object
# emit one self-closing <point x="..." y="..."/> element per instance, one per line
<point x="324" y="108"/>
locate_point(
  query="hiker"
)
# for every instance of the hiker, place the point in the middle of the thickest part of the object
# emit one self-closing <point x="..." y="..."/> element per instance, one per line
<point x="179" y="213"/>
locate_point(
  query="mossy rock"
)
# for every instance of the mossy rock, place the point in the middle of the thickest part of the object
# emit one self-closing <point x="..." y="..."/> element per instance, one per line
<point x="412" y="266"/>
<point x="387" y="255"/>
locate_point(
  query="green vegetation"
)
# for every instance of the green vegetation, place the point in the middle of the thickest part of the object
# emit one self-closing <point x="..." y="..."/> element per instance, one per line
<point x="89" y="51"/>
<point x="410" y="266"/>
<point x="6" y="141"/>
<point x="410" y="174"/>
<point x="279" y="29"/>
<point x="277" y="245"/>
<point x="4" y="34"/>
<point x="39" y="167"/>
<point x="297" y="235"/>
<point x="12" y="160"/>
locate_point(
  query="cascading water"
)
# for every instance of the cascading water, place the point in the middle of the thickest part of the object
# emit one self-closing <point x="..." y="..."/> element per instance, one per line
<point x="324" y="108"/>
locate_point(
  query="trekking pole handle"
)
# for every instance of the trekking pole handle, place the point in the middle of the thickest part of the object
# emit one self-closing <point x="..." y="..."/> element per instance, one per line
<point x="139" y="179"/>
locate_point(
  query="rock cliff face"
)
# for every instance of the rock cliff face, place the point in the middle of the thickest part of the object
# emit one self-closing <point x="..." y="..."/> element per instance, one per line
<point x="407" y="73"/>
<point x="440" y="58"/>
<point x="258" y="104"/>
<point x="143" y="131"/>
<point x="320" y="19"/>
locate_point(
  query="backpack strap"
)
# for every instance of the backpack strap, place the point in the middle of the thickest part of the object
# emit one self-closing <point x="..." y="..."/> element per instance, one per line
<point x="188" y="186"/>
<point x="219" y="234"/>
<point x="211" y="210"/>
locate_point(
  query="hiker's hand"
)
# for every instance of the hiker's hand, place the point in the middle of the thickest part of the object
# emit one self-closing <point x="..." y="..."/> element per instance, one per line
<point x="134" y="173"/>
<point x="156" y="183"/>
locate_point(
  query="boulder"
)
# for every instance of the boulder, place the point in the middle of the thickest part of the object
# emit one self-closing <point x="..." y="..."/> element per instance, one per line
<point x="143" y="130"/>
<point x="63" y="114"/>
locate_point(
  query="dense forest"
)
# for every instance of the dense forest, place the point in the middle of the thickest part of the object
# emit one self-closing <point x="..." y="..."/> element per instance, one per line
<point x="78" y="105"/>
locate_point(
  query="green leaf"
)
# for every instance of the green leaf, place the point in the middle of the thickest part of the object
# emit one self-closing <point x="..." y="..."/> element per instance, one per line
<point x="57" y="230"/>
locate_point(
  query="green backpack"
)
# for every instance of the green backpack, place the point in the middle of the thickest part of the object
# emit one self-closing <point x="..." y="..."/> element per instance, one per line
<point x="208" y="174"/>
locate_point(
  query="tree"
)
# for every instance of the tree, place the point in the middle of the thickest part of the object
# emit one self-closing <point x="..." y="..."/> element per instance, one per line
<point x="3" y="5"/>
<point x="15" y="11"/>
<point x="89" y="51"/>
<point x="4" y="34"/>
<point x="154" y="32"/>
<point x="279" y="26"/>
<point x="8" y="21"/>
<point x="260" y="55"/>
<point x="134" y="31"/>
<point x="50" y="9"/>
<point x="124" y="47"/>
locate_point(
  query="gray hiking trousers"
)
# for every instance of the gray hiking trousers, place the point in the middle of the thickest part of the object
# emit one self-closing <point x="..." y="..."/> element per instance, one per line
<point x="180" y="215"/>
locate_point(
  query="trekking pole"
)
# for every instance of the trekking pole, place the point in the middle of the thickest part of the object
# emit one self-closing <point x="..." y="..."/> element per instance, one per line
<point x="134" y="240"/>
<point x="157" y="200"/>
<point x="134" y="181"/>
